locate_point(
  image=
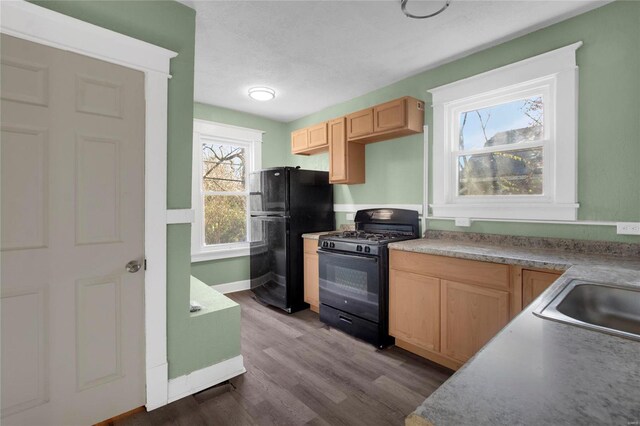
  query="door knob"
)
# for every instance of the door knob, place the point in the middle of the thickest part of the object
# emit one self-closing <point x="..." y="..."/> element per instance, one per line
<point x="133" y="266"/>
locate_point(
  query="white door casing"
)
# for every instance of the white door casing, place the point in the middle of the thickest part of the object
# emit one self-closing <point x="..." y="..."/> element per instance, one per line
<point x="30" y="22"/>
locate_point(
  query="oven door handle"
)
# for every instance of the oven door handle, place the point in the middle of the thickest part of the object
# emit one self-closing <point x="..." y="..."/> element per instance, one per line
<point x="348" y="256"/>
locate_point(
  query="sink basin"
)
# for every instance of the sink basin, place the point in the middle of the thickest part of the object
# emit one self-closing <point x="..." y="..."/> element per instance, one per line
<point x="602" y="307"/>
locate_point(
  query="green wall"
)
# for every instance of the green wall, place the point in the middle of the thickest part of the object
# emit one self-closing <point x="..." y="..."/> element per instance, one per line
<point x="608" y="137"/>
<point x="609" y="141"/>
<point x="214" y="331"/>
<point x="275" y="152"/>
<point x="170" y="25"/>
<point x="275" y="146"/>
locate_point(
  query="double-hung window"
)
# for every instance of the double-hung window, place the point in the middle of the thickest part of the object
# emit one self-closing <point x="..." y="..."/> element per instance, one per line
<point x="223" y="157"/>
<point x="505" y="142"/>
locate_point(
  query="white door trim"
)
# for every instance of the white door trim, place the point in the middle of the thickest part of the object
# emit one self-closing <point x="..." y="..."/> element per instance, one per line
<point x="34" y="23"/>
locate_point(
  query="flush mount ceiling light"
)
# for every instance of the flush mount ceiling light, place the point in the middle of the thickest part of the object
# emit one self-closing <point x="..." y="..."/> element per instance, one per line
<point x="262" y="93"/>
<point x="403" y="6"/>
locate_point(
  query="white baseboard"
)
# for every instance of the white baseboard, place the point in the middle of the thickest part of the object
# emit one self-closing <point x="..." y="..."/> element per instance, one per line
<point x="202" y="379"/>
<point x="157" y="378"/>
<point x="232" y="287"/>
<point x="352" y="208"/>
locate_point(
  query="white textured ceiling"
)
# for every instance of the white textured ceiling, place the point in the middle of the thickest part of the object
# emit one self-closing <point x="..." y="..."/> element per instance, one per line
<point x="319" y="53"/>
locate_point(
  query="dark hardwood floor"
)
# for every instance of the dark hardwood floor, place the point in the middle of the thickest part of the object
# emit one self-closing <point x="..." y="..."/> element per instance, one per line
<point x="299" y="371"/>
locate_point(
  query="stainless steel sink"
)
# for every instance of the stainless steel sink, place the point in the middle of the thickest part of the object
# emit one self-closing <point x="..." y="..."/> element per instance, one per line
<point x="603" y="307"/>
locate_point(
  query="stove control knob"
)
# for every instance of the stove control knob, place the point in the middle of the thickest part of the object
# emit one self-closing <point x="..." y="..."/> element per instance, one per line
<point x="367" y="249"/>
<point x="325" y="244"/>
<point x="332" y="245"/>
<point x="359" y="248"/>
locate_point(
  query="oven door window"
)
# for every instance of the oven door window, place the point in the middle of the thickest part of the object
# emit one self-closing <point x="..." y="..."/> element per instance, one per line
<point x="350" y="283"/>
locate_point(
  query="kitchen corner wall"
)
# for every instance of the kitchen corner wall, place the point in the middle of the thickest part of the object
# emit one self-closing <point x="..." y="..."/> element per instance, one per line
<point x="170" y="25"/>
<point x="609" y="133"/>
<point x="608" y="137"/>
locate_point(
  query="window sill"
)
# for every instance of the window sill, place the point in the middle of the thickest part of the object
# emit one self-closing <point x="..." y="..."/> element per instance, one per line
<point x="520" y="211"/>
<point x="222" y="253"/>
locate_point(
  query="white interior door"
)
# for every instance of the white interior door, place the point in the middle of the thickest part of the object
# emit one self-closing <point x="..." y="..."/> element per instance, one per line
<point x="72" y="205"/>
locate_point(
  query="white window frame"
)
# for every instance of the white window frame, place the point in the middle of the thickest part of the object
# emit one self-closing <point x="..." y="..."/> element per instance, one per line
<point x="554" y="75"/>
<point x="207" y="131"/>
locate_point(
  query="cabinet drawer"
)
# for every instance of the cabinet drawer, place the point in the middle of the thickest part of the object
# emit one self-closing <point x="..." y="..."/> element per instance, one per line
<point x="469" y="271"/>
<point x="310" y="246"/>
<point x="350" y="324"/>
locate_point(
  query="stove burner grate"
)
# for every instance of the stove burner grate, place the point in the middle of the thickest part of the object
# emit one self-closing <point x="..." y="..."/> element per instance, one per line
<point x="373" y="236"/>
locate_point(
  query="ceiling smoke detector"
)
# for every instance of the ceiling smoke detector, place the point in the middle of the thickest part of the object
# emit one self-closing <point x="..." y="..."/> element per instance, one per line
<point x="262" y="93"/>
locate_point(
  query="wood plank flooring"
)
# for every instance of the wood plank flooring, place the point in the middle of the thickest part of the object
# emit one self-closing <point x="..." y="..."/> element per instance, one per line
<point x="301" y="372"/>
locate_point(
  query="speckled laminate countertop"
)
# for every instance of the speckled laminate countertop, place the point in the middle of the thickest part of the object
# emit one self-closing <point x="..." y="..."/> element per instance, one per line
<point x="547" y="258"/>
<point x="537" y="371"/>
<point x="314" y="235"/>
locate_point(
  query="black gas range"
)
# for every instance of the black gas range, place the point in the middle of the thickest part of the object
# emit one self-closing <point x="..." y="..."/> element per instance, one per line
<point x="354" y="272"/>
<point x="362" y="241"/>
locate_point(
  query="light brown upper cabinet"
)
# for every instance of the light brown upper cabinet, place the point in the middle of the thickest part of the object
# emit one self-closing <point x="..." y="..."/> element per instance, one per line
<point x="318" y="136"/>
<point x="346" y="159"/>
<point x="344" y="137"/>
<point x="360" y="124"/>
<point x="390" y="120"/>
<point x="389" y="116"/>
<point x="310" y="140"/>
<point x="299" y="140"/>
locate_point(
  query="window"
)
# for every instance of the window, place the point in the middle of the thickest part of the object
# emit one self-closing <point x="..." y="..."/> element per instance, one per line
<point x="500" y="149"/>
<point x="505" y="141"/>
<point x="223" y="157"/>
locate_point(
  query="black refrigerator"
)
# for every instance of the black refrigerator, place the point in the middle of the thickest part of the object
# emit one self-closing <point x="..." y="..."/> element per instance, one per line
<point x="285" y="203"/>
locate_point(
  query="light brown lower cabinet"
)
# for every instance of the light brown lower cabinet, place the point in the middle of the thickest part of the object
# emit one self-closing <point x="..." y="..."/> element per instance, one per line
<point x="311" y="275"/>
<point x="446" y="309"/>
<point x="472" y="315"/>
<point x="419" y="322"/>
<point x="534" y="283"/>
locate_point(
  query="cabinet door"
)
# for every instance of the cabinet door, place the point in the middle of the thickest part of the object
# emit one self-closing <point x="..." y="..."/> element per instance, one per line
<point x="414" y="309"/>
<point x="311" y="281"/>
<point x="299" y="140"/>
<point x="311" y="273"/>
<point x="360" y="124"/>
<point x="471" y="316"/>
<point x="318" y="135"/>
<point x="534" y="283"/>
<point x="390" y="115"/>
<point x="337" y="150"/>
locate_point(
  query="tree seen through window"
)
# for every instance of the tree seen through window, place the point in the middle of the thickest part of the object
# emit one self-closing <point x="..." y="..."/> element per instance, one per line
<point x="224" y="193"/>
<point x="503" y="171"/>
